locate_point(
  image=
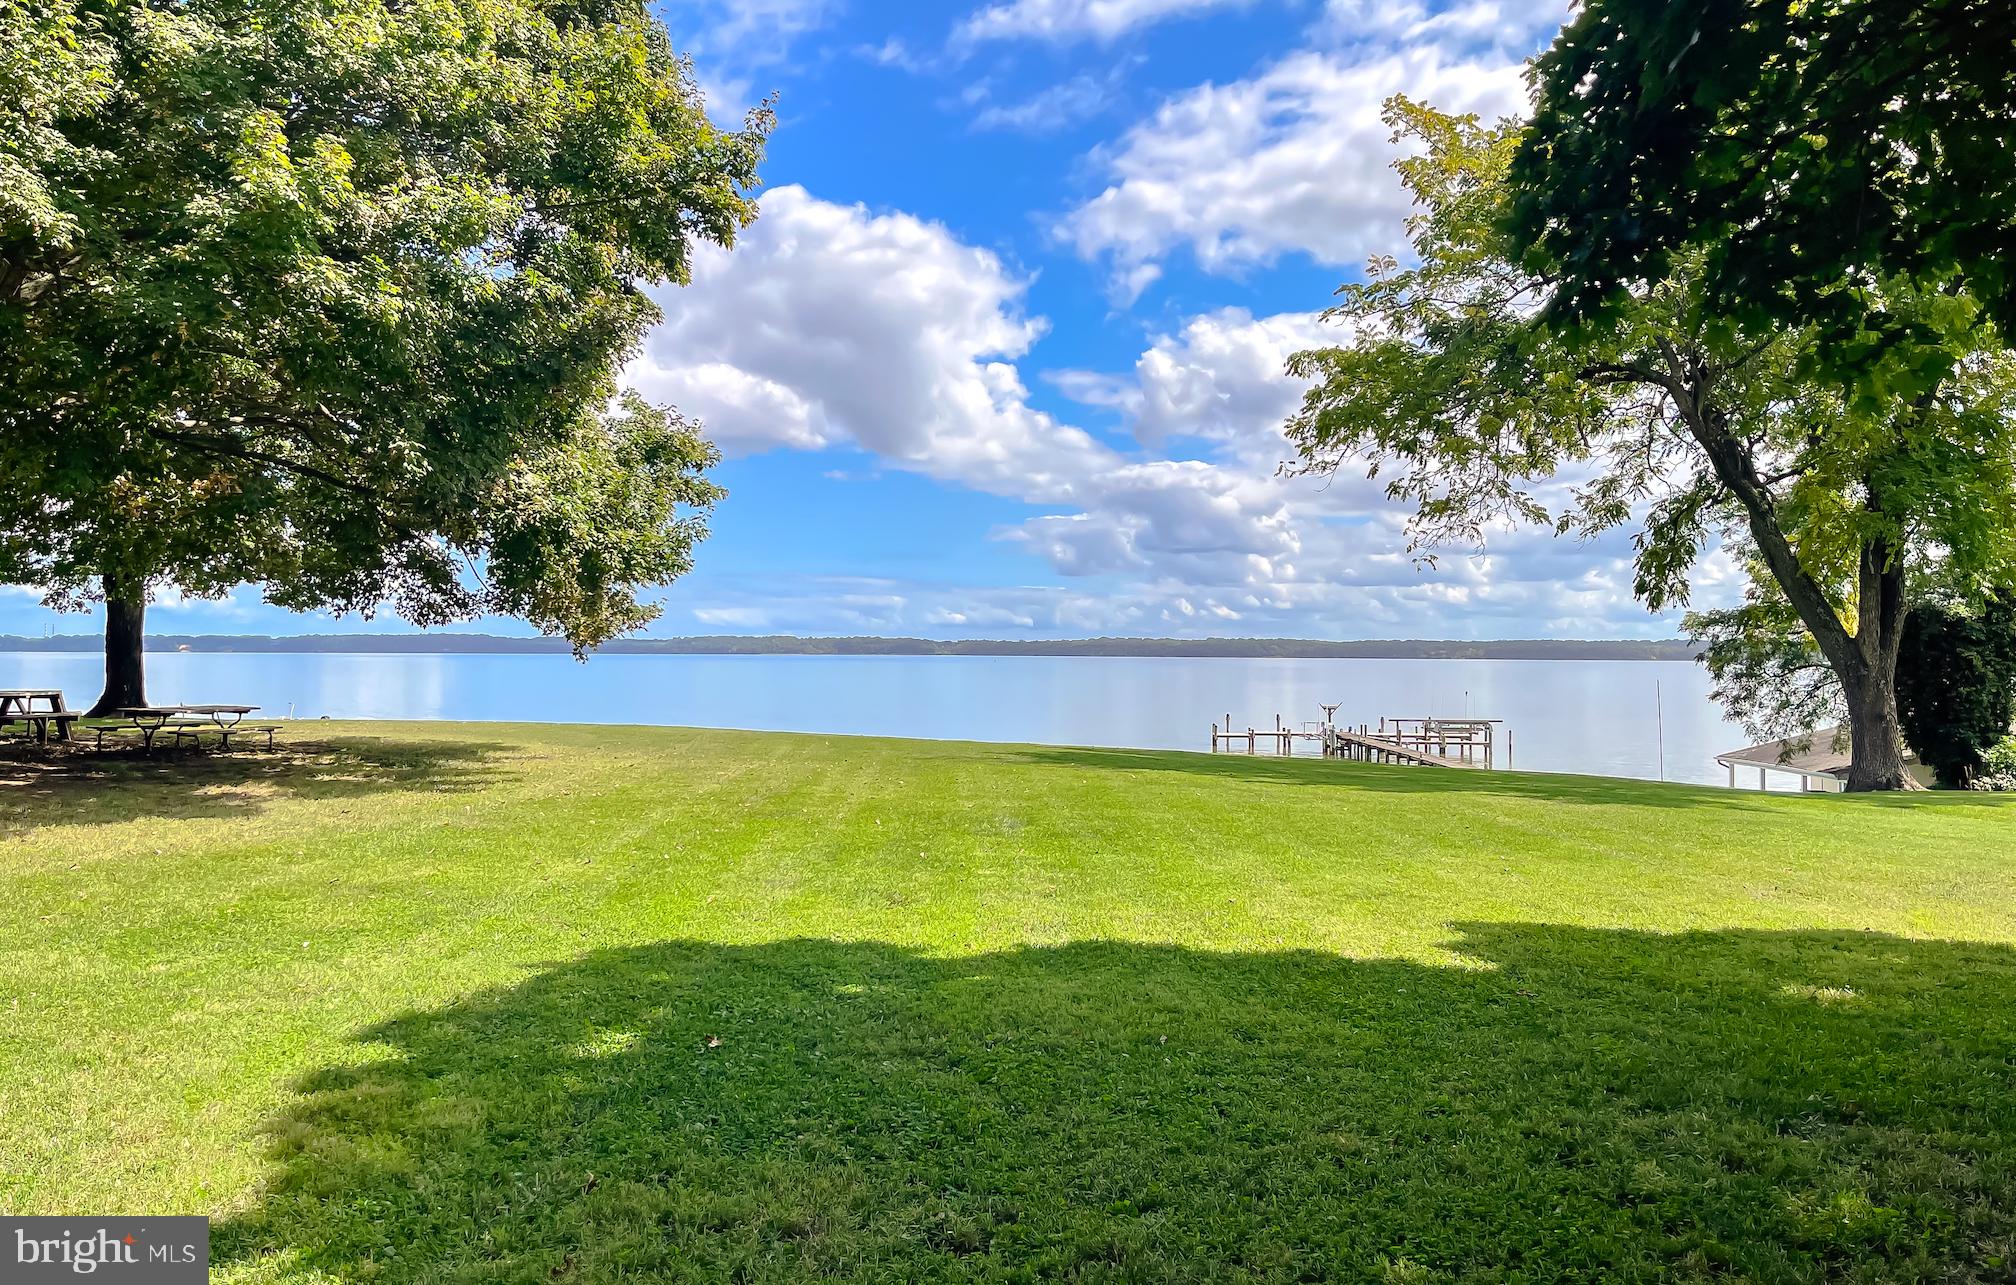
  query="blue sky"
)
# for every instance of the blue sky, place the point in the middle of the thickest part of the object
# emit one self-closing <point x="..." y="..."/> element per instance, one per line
<point x="1002" y="355"/>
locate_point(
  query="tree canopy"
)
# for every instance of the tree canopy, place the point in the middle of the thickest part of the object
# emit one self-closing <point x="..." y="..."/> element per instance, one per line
<point x="1677" y="421"/>
<point x="1792" y="156"/>
<point x="332" y="296"/>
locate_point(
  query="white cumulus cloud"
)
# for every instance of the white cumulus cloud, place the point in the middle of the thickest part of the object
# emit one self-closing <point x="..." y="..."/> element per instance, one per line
<point x="1295" y="159"/>
<point x="832" y="323"/>
<point x="839" y="326"/>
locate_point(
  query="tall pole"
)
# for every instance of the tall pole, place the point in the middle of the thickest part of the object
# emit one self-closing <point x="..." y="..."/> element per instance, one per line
<point x="1659" y="708"/>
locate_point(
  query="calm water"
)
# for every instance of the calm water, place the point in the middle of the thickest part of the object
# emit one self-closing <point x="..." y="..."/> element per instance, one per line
<point x="1565" y="716"/>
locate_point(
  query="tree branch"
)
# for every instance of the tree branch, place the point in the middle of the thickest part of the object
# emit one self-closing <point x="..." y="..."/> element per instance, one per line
<point x="1737" y="471"/>
<point x="231" y="448"/>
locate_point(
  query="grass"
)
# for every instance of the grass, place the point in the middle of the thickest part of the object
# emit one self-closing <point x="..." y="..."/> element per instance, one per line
<point x="438" y="1003"/>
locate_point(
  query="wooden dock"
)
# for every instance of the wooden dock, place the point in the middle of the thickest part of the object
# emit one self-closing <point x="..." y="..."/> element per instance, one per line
<point x="1343" y="743"/>
<point x="1416" y="742"/>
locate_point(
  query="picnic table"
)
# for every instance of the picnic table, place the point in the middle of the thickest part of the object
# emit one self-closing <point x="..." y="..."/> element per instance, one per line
<point x="19" y="706"/>
<point x="187" y="720"/>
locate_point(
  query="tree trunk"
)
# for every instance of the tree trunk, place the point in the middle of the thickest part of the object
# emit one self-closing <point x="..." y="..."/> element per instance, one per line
<point x="1876" y="761"/>
<point x="1864" y="662"/>
<point x="125" y="628"/>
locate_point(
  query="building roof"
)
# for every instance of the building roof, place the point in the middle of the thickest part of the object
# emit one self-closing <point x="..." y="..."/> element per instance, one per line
<point x="1812" y="755"/>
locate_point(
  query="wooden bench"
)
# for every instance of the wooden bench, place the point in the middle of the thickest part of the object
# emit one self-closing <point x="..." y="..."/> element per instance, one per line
<point x="196" y="729"/>
<point x="113" y="729"/>
<point x="38" y="721"/>
<point x="224" y="734"/>
<point x="192" y="729"/>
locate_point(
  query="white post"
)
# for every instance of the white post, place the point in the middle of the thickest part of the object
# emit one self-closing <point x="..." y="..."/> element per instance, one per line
<point x="1659" y="708"/>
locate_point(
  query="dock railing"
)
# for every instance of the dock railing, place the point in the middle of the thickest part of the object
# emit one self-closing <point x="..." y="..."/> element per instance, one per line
<point x="1280" y="741"/>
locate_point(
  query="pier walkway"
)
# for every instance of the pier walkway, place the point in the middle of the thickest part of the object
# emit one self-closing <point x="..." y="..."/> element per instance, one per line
<point x="1343" y="743"/>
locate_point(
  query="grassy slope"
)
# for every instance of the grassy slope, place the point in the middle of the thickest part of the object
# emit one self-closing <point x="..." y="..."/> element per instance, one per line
<point x="514" y="1003"/>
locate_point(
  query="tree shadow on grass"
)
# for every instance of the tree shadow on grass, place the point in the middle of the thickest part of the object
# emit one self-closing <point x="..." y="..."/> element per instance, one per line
<point x="1543" y="787"/>
<point x="78" y="786"/>
<point x="1577" y="1104"/>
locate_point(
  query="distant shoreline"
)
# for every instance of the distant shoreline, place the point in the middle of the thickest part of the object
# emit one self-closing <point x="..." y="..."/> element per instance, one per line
<point x="785" y="645"/>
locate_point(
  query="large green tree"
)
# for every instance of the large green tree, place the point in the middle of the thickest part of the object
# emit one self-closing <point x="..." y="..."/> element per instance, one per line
<point x="1789" y="154"/>
<point x="1676" y="420"/>
<point x="331" y="296"/>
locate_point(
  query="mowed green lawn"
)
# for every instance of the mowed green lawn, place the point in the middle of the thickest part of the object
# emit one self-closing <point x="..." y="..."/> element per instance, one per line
<point x="422" y="1003"/>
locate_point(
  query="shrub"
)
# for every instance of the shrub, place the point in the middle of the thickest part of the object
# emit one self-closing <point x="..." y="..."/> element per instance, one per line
<point x="1998" y="770"/>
